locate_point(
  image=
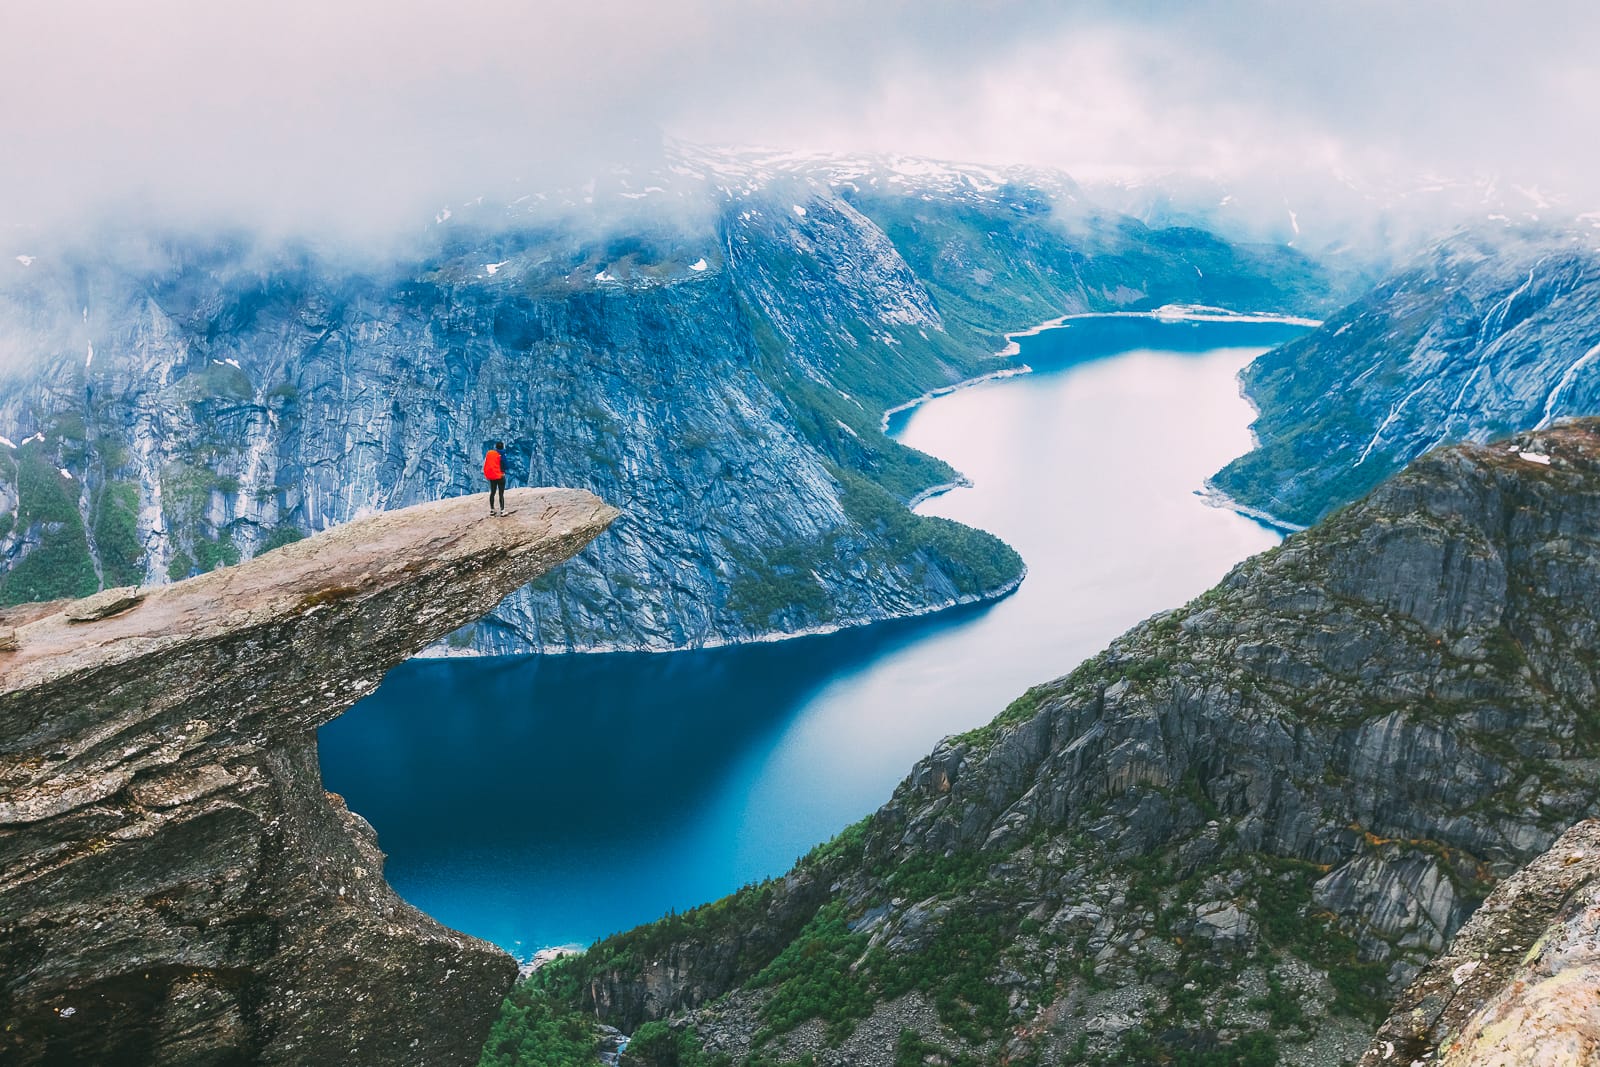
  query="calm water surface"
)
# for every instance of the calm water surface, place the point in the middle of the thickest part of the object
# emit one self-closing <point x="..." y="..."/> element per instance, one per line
<point x="547" y="800"/>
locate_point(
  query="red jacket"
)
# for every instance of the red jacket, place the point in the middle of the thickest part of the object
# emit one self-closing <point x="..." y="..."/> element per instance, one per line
<point x="491" y="466"/>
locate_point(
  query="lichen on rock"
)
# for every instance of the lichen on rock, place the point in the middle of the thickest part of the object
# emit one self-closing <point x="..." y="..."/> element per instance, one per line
<point x="1520" y="984"/>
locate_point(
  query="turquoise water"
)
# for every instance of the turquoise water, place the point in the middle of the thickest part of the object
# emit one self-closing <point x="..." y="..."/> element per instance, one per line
<point x="548" y="800"/>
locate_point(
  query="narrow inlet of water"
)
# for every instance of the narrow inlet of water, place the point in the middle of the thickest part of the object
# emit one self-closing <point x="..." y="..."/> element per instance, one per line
<point x="555" y="799"/>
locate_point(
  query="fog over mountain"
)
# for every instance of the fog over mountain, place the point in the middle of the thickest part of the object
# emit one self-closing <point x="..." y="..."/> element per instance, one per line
<point x="362" y="118"/>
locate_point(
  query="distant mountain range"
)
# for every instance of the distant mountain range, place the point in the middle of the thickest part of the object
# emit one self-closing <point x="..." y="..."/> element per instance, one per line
<point x="709" y="345"/>
<point x="1494" y="329"/>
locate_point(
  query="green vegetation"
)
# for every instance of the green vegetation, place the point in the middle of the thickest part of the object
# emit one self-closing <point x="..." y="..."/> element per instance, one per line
<point x="533" y="1030"/>
<point x="1019" y="710"/>
<point x="1140" y="1049"/>
<point x="1283" y="901"/>
<point x="851" y="436"/>
<point x="116" y="534"/>
<point x="955" y="970"/>
<point x="813" y="977"/>
<point x="789" y="577"/>
<point x="977" y="562"/>
<point x="209" y="555"/>
<point x="910" y="1050"/>
<point x="1282" y="1007"/>
<point x="922" y="874"/>
<point x="59" y="565"/>
<point x="822" y="973"/>
<point x="180" y="566"/>
<point x="783" y="578"/>
<point x="44" y="494"/>
<point x="655" y="1044"/>
<point x="847" y="847"/>
<point x="186" y="489"/>
<point x="877" y="474"/>
<point x="566" y="979"/>
<point x="284" y="534"/>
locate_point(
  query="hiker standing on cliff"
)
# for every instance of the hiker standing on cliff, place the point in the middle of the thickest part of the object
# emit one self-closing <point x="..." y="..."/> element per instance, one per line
<point x="497" y="478"/>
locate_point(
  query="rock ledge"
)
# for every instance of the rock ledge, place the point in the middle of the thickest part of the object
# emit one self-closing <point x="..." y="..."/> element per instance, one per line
<point x="175" y="885"/>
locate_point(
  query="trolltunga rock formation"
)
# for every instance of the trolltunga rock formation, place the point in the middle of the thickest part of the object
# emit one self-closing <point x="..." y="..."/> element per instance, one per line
<point x="175" y="885"/>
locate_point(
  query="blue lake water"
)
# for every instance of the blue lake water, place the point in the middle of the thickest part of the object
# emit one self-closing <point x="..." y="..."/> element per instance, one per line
<point x="537" y="801"/>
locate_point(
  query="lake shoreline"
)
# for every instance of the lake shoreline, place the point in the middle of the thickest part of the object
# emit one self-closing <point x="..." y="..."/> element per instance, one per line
<point x="1169" y="313"/>
<point x="724" y="764"/>
<point x="965" y="600"/>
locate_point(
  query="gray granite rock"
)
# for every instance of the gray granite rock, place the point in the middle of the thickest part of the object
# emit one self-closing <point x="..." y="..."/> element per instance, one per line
<point x="1272" y="806"/>
<point x="103" y="604"/>
<point x="175" y="885"/>
<point x="1520" y="983"/>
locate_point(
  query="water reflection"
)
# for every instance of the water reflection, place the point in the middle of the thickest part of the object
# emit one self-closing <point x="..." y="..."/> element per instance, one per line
<point x="552" y="799"/>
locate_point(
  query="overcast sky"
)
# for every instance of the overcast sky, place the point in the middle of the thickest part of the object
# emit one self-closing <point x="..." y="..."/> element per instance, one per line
<point x="366" y="114"/>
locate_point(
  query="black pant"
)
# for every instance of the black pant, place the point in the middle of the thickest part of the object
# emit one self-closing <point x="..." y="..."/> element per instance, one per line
<point x="497" y="485"/>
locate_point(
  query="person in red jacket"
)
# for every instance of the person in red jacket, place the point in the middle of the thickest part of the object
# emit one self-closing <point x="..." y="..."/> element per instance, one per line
<point x="496" y="474"/>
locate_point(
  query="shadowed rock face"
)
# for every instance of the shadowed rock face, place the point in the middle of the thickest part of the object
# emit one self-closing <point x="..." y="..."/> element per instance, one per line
<point x="1261" y="813"/>
<point x="175" y="885"/>
<point x="1521" y="982"/>
<point x="1485" y="333"/>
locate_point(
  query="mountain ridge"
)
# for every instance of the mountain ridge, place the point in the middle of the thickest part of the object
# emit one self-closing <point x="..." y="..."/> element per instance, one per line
<point x="721" y="373"/>
<point x="1235" y="833"/>
<point x="1491" y="330"/>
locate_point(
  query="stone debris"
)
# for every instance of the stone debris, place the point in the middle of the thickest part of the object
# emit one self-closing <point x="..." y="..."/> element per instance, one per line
<point x="104" y="604"/>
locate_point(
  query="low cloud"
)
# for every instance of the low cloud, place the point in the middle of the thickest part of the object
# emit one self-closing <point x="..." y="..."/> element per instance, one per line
<point x="363" y="118"/>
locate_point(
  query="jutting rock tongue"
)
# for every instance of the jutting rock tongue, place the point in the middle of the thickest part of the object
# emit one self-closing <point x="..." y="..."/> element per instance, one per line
<point x="175" y="886"/>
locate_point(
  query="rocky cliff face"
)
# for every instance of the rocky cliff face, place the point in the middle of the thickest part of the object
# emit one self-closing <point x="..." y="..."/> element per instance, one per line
<point x="1236" y="832"/>
<point x="1520" y="984"/>
<point x="714" y="354"/>
<point x="175" y="885"/>
<point x="1489" y="332"/>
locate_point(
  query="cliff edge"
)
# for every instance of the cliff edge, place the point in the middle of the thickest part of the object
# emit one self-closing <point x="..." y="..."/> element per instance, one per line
<point x="1521" y="982"/>
<point x="175" y="885"/>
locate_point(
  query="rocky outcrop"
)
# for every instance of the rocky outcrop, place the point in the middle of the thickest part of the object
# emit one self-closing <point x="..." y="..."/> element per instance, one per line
<point x="1244" y="826"/>
<point x="175" y="885"/>
<point x="1520" y="984"/>
<point x="1490" y="331"/>
<point x="717" y="362"/>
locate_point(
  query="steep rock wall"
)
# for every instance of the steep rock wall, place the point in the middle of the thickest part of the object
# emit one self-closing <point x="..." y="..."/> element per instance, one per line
<point x="1239" y="830"/>
<point x="1520" y="984"/>
<point x="1486" y="333"/>
<point x="175" y="885"/>
<point x="177" y="402"/>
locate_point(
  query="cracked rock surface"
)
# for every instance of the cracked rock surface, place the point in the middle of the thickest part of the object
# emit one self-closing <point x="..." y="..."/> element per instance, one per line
<point x="175" y="885"/>
<point x="1520" y="984"/>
